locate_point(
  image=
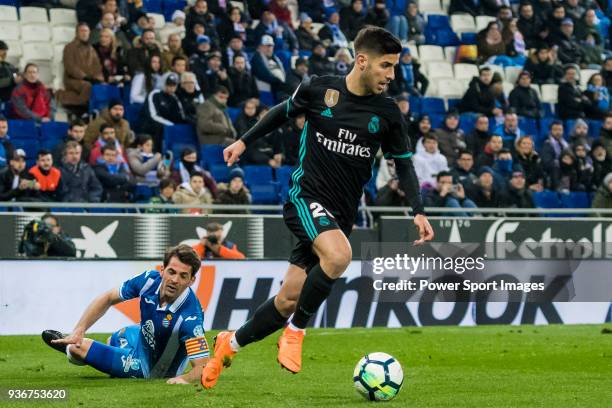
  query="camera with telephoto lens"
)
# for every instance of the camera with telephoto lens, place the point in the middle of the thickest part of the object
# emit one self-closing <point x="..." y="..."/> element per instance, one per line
<point x="35" y="239"/>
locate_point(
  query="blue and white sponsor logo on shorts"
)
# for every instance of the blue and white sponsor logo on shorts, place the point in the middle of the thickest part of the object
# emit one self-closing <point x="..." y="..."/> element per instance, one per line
<point x="130" y="363"/>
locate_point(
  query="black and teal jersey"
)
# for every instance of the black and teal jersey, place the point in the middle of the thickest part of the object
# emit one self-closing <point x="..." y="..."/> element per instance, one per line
<point x="339" y="142"/>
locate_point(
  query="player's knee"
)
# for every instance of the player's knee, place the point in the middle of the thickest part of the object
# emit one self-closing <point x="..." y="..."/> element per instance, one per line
<point x="336" y="262"/>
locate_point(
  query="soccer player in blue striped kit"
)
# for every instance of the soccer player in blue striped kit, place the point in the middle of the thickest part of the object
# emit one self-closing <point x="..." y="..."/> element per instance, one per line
<point x="170" y="335"/>
<point x="348" y="118"/>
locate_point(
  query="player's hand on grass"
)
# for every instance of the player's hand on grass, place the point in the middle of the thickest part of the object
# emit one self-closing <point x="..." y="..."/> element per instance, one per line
<point x="232" y="152"/>
<point x="176" y="380"/>
<point x="425" y="231"/>
<point x="75" y="338"/>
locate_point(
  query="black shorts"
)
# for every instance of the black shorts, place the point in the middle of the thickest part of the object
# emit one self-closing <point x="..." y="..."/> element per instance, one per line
<point x="306" y="219"/>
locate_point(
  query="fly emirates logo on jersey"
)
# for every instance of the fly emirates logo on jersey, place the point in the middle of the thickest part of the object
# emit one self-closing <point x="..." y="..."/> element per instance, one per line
<point x="344" y="143"/>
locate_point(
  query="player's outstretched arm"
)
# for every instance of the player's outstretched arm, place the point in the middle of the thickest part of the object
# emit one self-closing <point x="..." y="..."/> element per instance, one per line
<point x="409" y="183"/>
<point x="275" y="118"/>
<point x="192" y="376"/>
<point x="92" y="314"/>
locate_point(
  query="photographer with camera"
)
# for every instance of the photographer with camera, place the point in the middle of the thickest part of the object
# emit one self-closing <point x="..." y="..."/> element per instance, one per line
<point x="44" y="237"/>
<point x="448" y="193"/>
<point x="214" y="245"/>
<point x="16" y="184"/>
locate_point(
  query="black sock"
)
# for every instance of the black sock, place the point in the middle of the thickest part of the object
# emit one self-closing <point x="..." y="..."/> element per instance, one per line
<point x="317" y="288"/>
<point x="265" y="321"/>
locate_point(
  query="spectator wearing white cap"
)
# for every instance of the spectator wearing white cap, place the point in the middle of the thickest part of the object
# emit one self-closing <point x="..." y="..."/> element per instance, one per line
<point x="267" y="67"/>
<point x="176" y="26"/>
<point x="190" y="96"/>
<point x="16" y="184"/>
<point x="281" y="34"/>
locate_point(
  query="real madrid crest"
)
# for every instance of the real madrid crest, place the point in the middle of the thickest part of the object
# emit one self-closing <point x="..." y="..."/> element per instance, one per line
<point x="331" y="97"/>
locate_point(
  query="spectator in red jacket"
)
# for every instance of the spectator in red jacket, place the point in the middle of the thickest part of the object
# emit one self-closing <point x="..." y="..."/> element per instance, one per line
<point x="48" y="176"/>
<point x="31" y="99"/>
<point x="107" y="136"/>
<point x="280" y="8"/>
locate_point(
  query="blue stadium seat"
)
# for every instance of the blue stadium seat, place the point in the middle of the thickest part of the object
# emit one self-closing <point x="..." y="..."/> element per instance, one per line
<point x="436" y="120"/>
<point x="285" y="57"/>
<point x="179" y="134"/>
<point x="152" y="6"/>
<point x="283" y="175"/>
<point x="254" y="175"/>
<point x="53" y="130"/>
<point x="211" y="154"/>
<point x="370" y="187"/>
<point x="568" y="126"/>
<point x="14" y="3"/>
<point x="545" y="127"/>
<point x="267" y="98"/>
<point x="22" y="129"/>
<point x="453" y="104"/>
<point x="52" y="133"/>
<point x="538" y="141"/>
<point x="66" y="210"/>
<point x="415" y="104"/>
<point x="549" y="109"/>
<point x="431" y="105"/>
<point x="177" y="149"/>
<point x="438" y="21"/>
<point x="468" y="38"/>
<point x="220" y="172"/>
<point x="264" y="194"/>
<point x="546" y="199"/>
<point x="467" y="121"/>
<point x="100" y="96"/>
<point x="102" y="210"/>
<point x="132" y="114"/>
<point x="575" y="199"/>
<point x="170" y="6"/>
<point x="305" y="53"/>
<point x="143" y="194"/>
<point x="529" y="126"/>
<point x="233" y="113"/>
<point x="594" y="128"/>
<point x="446" y="38"/>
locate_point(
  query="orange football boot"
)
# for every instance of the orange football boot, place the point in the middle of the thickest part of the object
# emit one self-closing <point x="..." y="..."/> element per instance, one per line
<point x="290" y="349"/>
<point x="222" y="358"/>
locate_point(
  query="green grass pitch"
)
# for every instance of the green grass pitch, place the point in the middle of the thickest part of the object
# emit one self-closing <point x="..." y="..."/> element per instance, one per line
<point x="494" y="366"/>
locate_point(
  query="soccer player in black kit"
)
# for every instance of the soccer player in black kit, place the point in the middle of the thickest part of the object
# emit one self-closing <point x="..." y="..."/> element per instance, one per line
<point x="347" y="120"/>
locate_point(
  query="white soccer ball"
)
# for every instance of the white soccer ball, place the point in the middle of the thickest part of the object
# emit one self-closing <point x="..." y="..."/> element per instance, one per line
<point x="378" y="377"/>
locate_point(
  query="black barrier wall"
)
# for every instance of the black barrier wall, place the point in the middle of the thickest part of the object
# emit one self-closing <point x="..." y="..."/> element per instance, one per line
<point x="130" y="236"/>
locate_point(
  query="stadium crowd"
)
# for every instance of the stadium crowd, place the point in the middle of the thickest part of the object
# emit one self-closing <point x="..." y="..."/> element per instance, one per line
<point x="216" y="67"/>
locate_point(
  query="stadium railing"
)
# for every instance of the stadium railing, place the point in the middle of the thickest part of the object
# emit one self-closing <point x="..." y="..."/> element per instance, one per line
<point x="275" y="209"/>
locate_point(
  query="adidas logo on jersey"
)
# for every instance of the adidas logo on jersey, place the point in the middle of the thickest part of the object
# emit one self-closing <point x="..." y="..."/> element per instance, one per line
<point x="327" y="113"/>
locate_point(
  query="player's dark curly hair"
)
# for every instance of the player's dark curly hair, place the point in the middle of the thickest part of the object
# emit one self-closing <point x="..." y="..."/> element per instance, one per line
<point x="186" y="255"/>
<point x="377" y="41"/>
